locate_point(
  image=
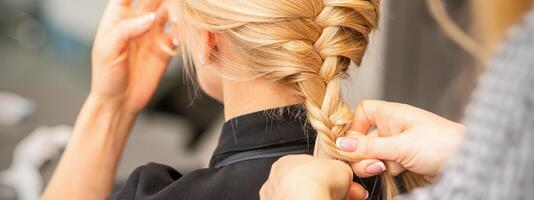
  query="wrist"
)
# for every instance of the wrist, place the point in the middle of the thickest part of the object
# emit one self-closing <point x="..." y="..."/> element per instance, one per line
<point x="106" y="104"/>
<point x="94" y="150"/>
<point x="105" y="119"/>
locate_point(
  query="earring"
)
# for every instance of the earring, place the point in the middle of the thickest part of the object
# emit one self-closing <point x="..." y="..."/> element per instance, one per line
<point x="201" y="59"/>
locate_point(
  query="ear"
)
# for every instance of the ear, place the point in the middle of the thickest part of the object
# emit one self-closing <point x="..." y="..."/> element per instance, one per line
<point x="208" y="46"/>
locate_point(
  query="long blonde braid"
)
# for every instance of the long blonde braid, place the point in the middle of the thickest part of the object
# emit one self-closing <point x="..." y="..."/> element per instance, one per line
<point x="309" y="44"/>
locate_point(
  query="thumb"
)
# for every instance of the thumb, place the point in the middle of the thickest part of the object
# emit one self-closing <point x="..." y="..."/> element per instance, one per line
<point x="357" y="192"/>
<point x="359" y="147"/>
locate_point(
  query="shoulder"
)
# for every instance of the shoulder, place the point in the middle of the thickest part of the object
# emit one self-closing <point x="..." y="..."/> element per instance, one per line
<point x="157" y="171"/>
<point x="146" y="180"/>
<point x="506" y="89"/>
<point x="241" y="180"/>
<point x="511" y="68"/>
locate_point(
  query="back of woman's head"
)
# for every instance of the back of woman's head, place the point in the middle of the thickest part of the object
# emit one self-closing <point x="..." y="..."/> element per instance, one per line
<point x="308" y="44"/>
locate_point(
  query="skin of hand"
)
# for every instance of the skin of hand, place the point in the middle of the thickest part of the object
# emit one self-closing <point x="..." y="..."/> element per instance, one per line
<point x="129" y="60"/>
<point x="129" y="56"/>
<point x="402" y="136"/>
<point x="306" y="177"/>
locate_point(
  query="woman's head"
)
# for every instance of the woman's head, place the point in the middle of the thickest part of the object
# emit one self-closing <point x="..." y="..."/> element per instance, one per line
<point x="281" y="40"/>
<point x="306" y="45"/>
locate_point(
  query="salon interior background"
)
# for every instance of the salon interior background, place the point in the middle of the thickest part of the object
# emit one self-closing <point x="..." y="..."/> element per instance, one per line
<point x="45" y="73"/>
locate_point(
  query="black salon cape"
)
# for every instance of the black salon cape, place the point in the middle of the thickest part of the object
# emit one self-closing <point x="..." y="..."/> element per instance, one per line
<point x="262" y="130"/>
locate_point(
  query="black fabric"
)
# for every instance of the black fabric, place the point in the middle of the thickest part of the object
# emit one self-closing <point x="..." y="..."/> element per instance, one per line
<point x="260" y="131"/>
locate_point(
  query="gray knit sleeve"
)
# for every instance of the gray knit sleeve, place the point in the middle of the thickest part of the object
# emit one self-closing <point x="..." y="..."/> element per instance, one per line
<point x="495" y="160"/>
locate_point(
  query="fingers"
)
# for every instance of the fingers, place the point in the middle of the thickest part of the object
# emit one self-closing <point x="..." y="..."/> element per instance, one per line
<point x="125" y="3"/>
<point x="128" y="29"/>
<point x="367" y="168"/>
<point x="148" y="5"/>
<point x="357" y="192"/>
<point x="118" y="10"/>
<point x="173" y="34"/>
<point x="115" y="11"/>
<point x="265" y="190"/>
<point x="394" y="168"/>
<point x="389" y="118"/>
<point x="362" y="147"/>
<point x="168" y="39"/>
<point x="162" y="17"/>
<point x="364" y="116"/>
<point x="371" y="167"/>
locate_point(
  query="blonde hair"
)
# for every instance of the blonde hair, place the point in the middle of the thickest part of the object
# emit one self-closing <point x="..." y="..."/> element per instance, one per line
<point x="308" y="44"/>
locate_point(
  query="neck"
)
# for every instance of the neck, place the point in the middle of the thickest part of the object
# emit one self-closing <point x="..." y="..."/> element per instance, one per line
<point x="244" y="97"/>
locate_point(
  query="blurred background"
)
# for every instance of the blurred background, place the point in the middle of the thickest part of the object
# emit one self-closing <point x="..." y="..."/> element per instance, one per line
<point x="45" y="48"/>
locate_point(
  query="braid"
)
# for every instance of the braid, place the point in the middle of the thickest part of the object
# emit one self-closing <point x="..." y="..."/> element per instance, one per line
<point x="343" y="36"/>
<point x="343" y="23"/>
<point x="308" y="44"/>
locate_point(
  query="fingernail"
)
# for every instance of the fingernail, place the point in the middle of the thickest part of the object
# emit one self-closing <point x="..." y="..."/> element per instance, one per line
<point x="347" y="144"/>
<point x="176" y="41"/>
<point x="201" y="59"/>
<point x="376" y="168"/>
<point x="146" y="19"/>
<point x="366" y="195"/>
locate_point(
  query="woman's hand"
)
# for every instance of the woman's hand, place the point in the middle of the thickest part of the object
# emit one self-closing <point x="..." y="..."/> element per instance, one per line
<point x="405" y="137"/>
<point x="305" y="177"/>
<point x="130" y="53"/>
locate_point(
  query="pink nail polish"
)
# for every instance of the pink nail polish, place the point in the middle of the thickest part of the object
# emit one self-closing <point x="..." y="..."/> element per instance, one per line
<point x="376" y="168"/>
<point x="347" y="144"/>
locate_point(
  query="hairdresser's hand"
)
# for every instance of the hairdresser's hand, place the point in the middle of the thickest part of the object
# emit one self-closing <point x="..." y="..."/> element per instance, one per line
<point x="130" y="53"/>
<point x="405" y="138"/>
<point x="306" y="177"/>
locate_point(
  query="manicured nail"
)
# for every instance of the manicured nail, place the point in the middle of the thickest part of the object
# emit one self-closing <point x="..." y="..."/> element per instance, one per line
<point x="376" y="168"/>
<point x="366" y="195"/>
<point x="146" y="19"/>
<point x="347" y="144"/>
